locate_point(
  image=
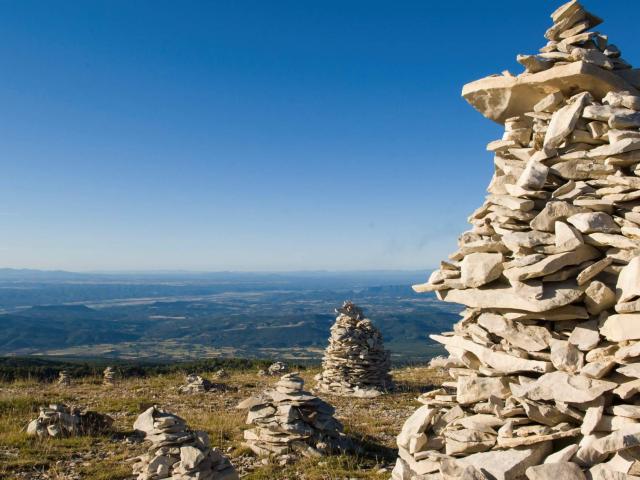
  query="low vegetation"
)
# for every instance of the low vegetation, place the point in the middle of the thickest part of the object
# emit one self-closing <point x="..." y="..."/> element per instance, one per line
<point x="373" y="424"/>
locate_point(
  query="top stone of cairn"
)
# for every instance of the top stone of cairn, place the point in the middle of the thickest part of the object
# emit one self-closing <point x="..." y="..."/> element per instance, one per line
<point x="575" y="58"/>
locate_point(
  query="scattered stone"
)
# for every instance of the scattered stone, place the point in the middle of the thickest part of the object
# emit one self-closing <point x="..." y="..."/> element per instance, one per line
<point x="58" y="420"/>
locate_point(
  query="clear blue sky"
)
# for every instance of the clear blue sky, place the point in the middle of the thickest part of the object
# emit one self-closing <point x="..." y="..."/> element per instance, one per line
<point x="251" y="135"/>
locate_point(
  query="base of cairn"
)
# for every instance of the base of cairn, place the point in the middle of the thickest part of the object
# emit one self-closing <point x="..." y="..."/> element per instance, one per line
<point x="288" y="419"/>
<point x="345" y="389"/>
<point x="178" y="453"/>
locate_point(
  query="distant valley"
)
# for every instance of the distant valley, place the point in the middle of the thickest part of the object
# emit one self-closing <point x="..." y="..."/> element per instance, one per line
<point x="177" y="316"/>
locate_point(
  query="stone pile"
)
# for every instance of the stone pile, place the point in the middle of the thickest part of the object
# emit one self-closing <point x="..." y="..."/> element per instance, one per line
<point x="109" y="375"/>
<point x="288" y="419"/>
<point x="277" y="369"/>
<point x="197" y="384"/>
<point x="545" y="362"/>
<point x="355" y="362"/>
<point x="64" y="379"/>
<point x="176" y="452"/>
<point x="58" y="420"/>
<point x="221" y="374"/>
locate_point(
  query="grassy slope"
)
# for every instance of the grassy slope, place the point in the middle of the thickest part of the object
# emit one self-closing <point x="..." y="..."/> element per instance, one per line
<point x="373" y="423"/>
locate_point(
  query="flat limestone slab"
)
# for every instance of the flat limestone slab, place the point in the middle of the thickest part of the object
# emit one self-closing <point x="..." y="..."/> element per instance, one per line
<point x="502" y="97"/>
<point x="504" y="297"/>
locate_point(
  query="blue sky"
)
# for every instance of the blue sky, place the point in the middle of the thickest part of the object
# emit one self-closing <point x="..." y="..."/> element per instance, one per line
<point x="251" y="135"/>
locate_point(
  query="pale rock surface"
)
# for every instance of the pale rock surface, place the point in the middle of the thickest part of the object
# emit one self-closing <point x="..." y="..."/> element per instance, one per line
<point x="555" y="471"/>
<point x="628" y="286"/>
<point x="566" y="237"/>
<point x="478" y="269"/>
<point x="594" y="222"/>
<point x="564" y="121"/>
<point x="621" y="327"/>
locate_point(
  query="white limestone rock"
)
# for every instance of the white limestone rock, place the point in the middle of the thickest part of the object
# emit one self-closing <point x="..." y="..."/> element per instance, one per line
<point x="478" y="269"/>
<point x="563" y="387"/>
<point x="628" y="286"/>
<point x="622" y="327"/>
<point x="555" y="471"/>
<point x="564" y="121"/>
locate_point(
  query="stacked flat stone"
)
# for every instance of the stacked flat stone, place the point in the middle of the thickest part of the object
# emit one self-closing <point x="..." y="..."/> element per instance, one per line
<point x="288" y="419"/>
<point x="64" y="379"/>
<point x="277" y="369"/>
<point x="198" y="384"/>
<point x="545" y="362"/>
<point x="355" y="362"/>
<point x="177" y="452"/>
<point x="109" y="376"/>
<point x="58" y="420"/>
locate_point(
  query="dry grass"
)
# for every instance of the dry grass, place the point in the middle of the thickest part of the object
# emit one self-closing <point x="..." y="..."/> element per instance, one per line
<point x="372" y="423"/>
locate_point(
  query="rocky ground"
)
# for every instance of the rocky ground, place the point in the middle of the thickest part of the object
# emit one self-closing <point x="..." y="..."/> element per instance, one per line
<point x="372" y="423"/>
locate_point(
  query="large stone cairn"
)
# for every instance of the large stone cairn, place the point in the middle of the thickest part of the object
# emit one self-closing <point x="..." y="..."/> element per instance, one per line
<point x="355" y="362"/>
<point x="287" y="419"/>
<point x="176" y="452"/>
<point x="109" y="376"/>
<point x="545" y="362"/>
<point x="64" y="379"/>
<point x="58" y="420"/>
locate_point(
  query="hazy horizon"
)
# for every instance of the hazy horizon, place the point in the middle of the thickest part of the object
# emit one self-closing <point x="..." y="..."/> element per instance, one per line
<point x="182" y="271"/>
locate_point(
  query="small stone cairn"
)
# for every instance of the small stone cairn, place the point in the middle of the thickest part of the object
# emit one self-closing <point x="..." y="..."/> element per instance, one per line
<point x="545" y="362"/>
<point x="109" y="376"/>
<point x="277" y="369"/>
<point x="58" y="420"/>
<point x="198" y="384"/>
<point x="355" y="363"/>
<point x="288" y="419"/>
<point x="221" y="374"/>
<point x="64" y="379"/>
<point x="176" y="452"/>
